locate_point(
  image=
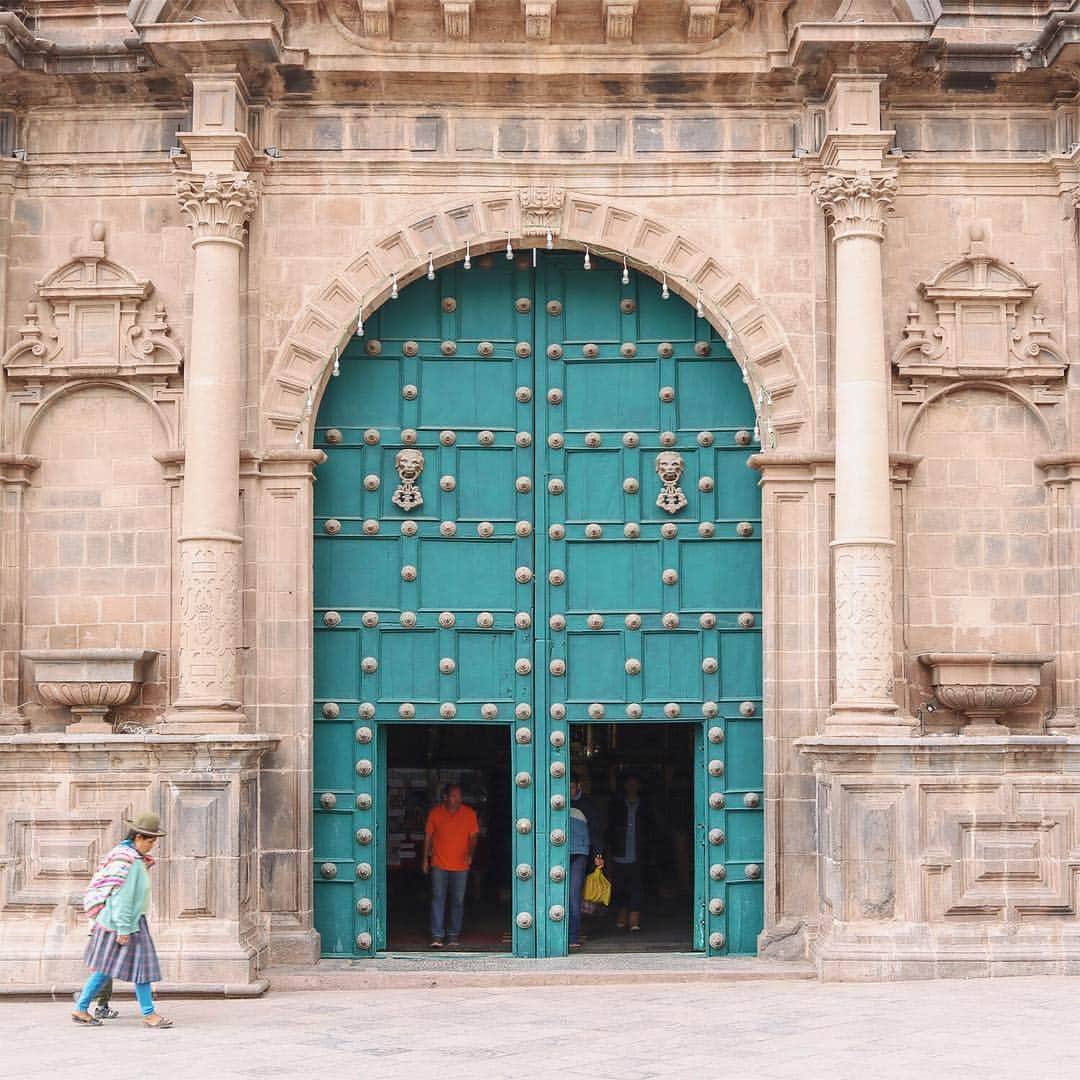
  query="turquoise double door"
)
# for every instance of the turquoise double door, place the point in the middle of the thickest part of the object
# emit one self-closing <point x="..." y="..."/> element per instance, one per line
<point x="536" y="512"/>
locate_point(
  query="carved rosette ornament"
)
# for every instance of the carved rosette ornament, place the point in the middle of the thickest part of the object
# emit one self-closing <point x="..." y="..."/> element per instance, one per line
<point x="670" y="467"/>
<point x="219" y="207"/>
<point x="856" y="204"/>
<point x="409" y="464"/>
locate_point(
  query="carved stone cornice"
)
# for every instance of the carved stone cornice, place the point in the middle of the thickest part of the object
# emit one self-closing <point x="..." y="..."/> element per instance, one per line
<point x="219" y="207"/>
<point x="856" y="204"/>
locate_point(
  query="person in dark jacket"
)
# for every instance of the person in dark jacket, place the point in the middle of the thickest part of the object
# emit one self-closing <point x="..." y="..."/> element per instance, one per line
<point x="630" y="836"/>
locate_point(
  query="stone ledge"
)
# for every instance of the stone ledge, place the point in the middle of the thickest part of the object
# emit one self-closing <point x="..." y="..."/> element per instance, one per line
<point x="64" y="991"/>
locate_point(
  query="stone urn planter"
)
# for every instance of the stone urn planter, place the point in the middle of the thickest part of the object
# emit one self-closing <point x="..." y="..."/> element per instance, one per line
<point x="90" y="682"/>
<point x="983" y="687"/>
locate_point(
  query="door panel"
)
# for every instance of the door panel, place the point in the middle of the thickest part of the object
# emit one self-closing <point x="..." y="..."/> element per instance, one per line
<point x="539" y="582"/>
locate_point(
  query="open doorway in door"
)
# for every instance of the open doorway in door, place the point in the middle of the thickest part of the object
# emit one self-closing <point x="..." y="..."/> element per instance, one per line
<point x="423" y="762"/>
<point x="637" y="792"/>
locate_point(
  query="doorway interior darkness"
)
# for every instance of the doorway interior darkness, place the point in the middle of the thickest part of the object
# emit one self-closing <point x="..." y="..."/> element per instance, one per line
<point x="536" y="513"/>
<point x="661" y="757"/>
<point x="421" y="760"/>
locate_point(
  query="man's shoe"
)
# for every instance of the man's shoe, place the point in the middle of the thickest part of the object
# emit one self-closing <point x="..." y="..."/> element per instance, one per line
<point x="453" y="943"/>
<point x="436" y="943"/>
<point x="103" y="1012"/>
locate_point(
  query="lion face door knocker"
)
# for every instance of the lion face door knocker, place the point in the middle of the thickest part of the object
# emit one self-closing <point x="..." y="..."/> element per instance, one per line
<point x="409" y="464"/>
<point x="669" y="467"/>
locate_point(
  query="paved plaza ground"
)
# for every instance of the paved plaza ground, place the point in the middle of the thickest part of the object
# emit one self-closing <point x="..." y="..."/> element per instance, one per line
<point x="987" y="1028"/>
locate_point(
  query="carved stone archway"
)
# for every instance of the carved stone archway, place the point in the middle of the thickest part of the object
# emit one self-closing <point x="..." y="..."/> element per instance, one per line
<point x="486" y="222"/>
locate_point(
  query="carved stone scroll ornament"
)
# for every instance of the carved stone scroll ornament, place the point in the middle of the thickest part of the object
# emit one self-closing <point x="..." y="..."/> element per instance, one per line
<point x="670" y="467"/>
<point x="984" y="324"/>
<point x="409" y="464"/>
<point x="88" y="321"/>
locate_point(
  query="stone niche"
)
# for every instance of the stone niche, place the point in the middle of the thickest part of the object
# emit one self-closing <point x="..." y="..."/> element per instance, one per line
<point x="945" y="856"/>
<point x="63" y="802"/>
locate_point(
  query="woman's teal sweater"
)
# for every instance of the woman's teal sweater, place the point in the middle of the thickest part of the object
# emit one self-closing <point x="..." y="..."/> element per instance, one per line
<point x="128" y="903"/>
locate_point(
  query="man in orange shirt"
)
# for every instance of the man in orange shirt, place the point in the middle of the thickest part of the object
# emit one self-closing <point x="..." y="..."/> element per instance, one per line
<point x="449" y="842"/>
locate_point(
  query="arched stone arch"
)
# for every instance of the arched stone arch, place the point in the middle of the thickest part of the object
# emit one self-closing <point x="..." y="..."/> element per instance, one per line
<point x="988" y="385"/>
<point x="66" y="390"/>
<point x="484" y="223"/>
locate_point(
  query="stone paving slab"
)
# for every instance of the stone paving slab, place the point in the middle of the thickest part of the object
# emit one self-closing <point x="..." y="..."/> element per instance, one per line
<point x="1008" y="1029"/>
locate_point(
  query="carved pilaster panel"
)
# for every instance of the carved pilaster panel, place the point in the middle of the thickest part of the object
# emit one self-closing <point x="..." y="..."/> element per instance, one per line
<point x="856" y="204"/>
<point x="864" y="622"/>
<point x="210" y="630"/>
<point x="871" y="868"/>
<point x="218" y="207"/>
<point x="53" y="856"/>
<point x="196" y="816"/>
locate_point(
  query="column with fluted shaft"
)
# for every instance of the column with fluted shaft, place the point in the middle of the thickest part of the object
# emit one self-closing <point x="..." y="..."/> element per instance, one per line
<point x="855" y="205"/>
<point x="208" y="694"/>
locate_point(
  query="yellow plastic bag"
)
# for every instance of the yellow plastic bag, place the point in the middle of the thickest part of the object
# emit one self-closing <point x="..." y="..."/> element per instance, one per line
<point x="597" y="888"/>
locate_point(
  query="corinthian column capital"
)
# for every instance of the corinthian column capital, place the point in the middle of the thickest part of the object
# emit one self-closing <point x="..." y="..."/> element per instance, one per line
<point x="856" y="204"/>
<point x="218" y="207"/>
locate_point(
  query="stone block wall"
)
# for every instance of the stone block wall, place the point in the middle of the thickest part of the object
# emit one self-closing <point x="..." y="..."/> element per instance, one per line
<point x="99" y="535"/>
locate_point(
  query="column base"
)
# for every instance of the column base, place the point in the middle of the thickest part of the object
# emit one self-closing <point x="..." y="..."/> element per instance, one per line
<point x="205" y="720"/>
<point x="869" y="718"/>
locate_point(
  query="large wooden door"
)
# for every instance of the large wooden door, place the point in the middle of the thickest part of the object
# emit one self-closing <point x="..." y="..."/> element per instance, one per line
<point x="536" y="511"/>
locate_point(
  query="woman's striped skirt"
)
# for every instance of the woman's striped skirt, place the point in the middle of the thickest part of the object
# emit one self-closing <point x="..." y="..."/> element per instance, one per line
<point x="135" y="962"/>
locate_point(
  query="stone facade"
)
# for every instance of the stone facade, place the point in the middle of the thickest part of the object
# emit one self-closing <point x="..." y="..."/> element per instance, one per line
<point x="875" y="202"/>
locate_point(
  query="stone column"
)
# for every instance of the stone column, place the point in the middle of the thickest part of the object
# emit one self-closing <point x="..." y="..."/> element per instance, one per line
<point x="209" y="696"/>
<point x="855" y="204"/>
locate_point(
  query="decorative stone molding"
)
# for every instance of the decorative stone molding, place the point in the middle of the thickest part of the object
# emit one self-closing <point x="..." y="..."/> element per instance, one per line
<point x="92" y="326"/>
<point x="376" y="17"/>
<point x="702" y="20"/>
<point x="329" y="319"/>
<point x="456" y="18"/>
<point x="539" y="15"/>
<point x="856" y="204"/>
<point x="219" y="207"/>
<point x="920" y="837"/>
<point x="210" y="630"/>
<point x="619" y="20"/>
<point x="90" y="682"/>
<point x="985" y="686"/>
<point x="981" y="324"/>
<point x="63" y="802"/>
<point x="541" y="209"/>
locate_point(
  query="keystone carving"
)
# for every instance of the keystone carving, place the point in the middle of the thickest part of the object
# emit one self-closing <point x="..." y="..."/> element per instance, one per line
<point x="619" y="19"/>
<point x="376" y="17"/>
<point x="456" y="16"/>
<point x="219" y="207"/>
<point x="542" y="210"/>
<point x="409" y="464"/>
<point x="539" y="15"/>
<point x="702" y="20"/>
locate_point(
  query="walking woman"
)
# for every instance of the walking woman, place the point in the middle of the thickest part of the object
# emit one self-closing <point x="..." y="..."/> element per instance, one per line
<point x="120" y="945"/>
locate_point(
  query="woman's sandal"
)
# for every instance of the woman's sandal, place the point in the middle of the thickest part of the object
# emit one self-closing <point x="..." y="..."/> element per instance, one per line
<point x="162" y="1023"/>
<point x="86" y="1020"/>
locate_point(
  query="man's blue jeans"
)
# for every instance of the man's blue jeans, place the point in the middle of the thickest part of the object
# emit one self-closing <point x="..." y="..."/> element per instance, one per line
<point x="444" y="884"/>
<point x="578" y="863"/>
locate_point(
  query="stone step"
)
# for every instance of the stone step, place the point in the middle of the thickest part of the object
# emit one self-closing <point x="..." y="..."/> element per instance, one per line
<point x="404" y="971"/>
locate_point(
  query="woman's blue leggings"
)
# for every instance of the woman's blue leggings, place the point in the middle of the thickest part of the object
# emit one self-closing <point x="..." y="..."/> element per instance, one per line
<point x="98" y="980"/>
